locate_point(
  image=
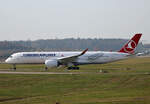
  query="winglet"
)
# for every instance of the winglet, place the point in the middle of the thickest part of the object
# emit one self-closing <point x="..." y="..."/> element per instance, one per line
<point x="84" y="51"/>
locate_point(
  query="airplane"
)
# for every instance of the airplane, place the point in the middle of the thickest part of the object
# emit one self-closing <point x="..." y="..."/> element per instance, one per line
<point x="71" y="59"/>
<point x="140" y="54"/>
<point x="143" y="53"/>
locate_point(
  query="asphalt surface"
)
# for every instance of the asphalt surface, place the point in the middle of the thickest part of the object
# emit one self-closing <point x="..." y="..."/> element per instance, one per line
<point x="71" y="73"/>
<point x="8" y="72"/>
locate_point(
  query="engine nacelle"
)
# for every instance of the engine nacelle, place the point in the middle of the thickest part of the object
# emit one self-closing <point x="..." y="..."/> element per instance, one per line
<point x="51" y="63"/>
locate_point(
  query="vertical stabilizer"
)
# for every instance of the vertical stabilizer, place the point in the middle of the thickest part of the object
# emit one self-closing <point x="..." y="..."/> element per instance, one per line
<point x="130" y="46"/>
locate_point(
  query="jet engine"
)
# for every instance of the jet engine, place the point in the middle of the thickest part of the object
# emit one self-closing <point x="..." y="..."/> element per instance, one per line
<point x="51" y="63"/>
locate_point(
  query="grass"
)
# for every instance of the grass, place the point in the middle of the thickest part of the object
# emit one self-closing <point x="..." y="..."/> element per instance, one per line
<point x="128" y="82"/>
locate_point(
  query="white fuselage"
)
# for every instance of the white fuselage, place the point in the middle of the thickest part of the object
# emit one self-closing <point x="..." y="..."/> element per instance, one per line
<point x="91" y="57"/>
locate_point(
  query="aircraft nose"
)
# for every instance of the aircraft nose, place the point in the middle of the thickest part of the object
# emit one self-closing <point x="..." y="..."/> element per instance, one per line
<point x="8" y="60"/>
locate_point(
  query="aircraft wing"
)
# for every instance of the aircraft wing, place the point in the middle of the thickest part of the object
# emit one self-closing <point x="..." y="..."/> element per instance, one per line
<point x="69" y="59"/>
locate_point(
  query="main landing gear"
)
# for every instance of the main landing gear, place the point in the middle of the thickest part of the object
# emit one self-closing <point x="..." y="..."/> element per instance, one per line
<point x="73" y="68"/>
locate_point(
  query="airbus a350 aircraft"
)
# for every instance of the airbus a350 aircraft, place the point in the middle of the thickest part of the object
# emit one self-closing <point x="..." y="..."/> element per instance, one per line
<point x="73" y="59"/>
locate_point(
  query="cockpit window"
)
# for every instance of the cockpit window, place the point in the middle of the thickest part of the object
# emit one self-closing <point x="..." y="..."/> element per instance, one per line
<point x="10" y="56"/>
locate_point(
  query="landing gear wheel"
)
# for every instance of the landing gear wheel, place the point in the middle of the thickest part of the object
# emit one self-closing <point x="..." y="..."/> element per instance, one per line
<point x="73" y="68"/>
<point x="46" y="68"/>
<point x="69" y="68"/>
<point x="14" y="67"/>
<point x="77" y="68"/>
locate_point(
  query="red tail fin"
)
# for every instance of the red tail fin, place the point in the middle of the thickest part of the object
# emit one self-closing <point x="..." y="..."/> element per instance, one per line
<point x="130" y="46"/>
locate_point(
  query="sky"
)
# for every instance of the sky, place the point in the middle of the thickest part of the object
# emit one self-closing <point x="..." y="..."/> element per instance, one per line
<point x="50" y="19"/>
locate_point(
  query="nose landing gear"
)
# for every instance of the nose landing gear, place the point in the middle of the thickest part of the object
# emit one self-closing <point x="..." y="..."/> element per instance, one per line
<point x="46" y="68"/>
<point x="14" y="67"/>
